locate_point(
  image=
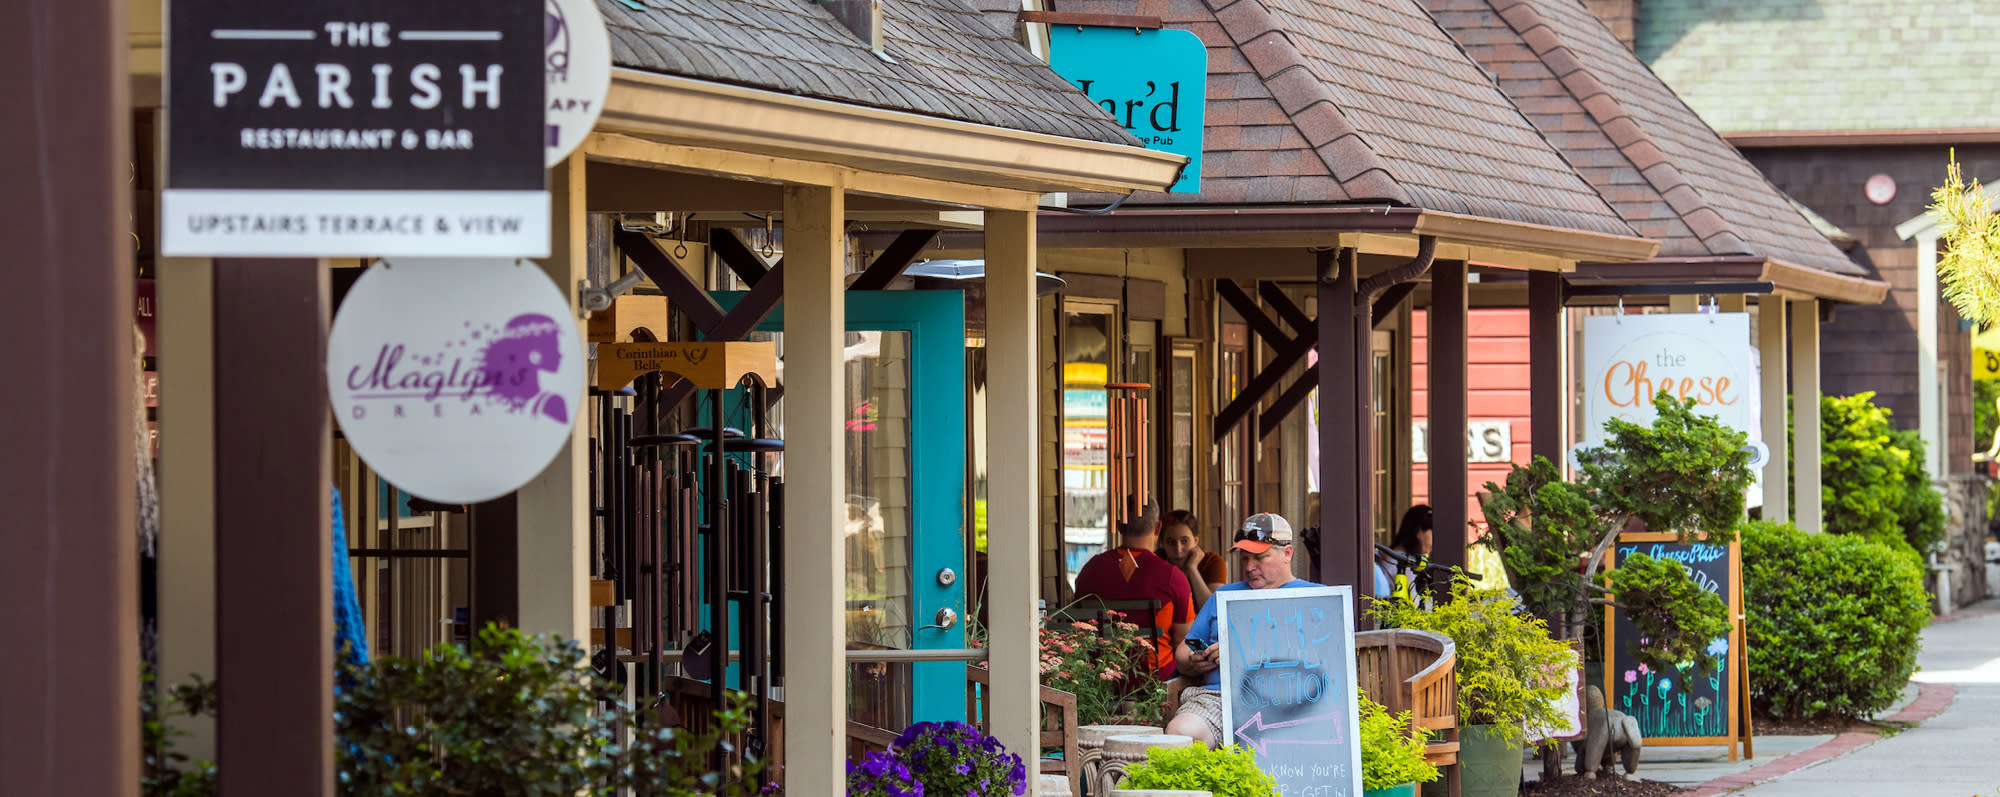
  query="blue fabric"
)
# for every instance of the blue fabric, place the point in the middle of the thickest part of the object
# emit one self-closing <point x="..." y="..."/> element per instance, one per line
<point x="1383" y="586"/>
<point x="350" y="634"/>
<point x="1204" y="627"/>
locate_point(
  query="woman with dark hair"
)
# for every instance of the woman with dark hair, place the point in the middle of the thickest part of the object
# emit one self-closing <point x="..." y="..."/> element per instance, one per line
<point x="1413" y="535"/>
<point x="1413" y="540"/>
<point x="1181" y="547"/>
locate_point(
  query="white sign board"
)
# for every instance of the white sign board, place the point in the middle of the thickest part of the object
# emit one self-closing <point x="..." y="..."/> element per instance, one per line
<point x="1707" y="357"/>
<point x="1288" y="685"/>
<point x="579" y="73"/>
<point x="457" y="380"/>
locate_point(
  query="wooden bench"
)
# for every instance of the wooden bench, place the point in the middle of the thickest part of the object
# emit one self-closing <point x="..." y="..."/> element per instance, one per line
<point x="1415" y="671"/>
<point x="1058" y="708"/>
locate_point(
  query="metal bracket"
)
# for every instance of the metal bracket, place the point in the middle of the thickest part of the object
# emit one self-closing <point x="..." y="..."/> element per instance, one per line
<point x="593" y="299"/>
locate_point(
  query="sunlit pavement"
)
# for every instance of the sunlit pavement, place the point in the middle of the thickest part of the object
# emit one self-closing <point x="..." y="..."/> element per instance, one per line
<point x="1956" y="752"/>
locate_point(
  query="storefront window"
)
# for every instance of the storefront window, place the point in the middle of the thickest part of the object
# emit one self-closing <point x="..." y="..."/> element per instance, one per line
<point x="1180" y="467"/>
<point x="878" y="521"/>
<point x="1087" y="357"/>
<point x="1233" y="467"/>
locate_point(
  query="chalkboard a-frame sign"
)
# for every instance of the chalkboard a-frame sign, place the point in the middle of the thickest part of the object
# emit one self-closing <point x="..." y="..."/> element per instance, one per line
<point x="1288" y="688"/>
<point x="1677" y="706"/>
<point x="369" y="128"/>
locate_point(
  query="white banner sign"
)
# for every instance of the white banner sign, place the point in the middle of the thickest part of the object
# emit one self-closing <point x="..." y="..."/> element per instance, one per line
<point x="456" y="380"/>
<point x="1629" y="359"/>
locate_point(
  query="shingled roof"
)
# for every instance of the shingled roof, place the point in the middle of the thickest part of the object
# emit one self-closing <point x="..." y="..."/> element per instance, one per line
<point x="1344" y="101"/>
<point x="1827" y="65"/>
<point x="1647" y="152"/>
<point x="946" y="59"/>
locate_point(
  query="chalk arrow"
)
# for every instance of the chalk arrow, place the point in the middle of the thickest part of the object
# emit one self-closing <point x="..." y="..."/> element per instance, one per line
<point x="1262" y="744"/>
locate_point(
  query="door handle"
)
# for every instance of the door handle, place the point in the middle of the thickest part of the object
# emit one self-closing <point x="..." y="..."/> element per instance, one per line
<point x="946" y="618"/>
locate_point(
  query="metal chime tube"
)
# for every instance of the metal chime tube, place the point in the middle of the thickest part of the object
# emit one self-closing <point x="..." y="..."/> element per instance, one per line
<point x="718" y="564"/>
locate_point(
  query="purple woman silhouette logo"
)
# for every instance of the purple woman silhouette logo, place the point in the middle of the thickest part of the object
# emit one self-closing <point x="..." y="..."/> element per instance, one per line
<point x="513" y="363"/>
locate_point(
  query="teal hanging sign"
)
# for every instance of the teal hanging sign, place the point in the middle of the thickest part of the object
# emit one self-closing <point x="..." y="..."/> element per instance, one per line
<point x="1154" y="82"/>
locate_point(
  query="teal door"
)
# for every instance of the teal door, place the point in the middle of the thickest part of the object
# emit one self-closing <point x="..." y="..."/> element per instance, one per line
<point x="905" y="525"/>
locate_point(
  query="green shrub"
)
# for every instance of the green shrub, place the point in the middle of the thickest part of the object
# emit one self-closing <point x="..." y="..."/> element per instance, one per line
<point x="1391" y="754"/>
<point x="1225" y="771"/>
<point x="1833" y="621"/>
<point x="516" y="715"/>
<point x="1510" y="673"/>
<point x="1872" y="476"/>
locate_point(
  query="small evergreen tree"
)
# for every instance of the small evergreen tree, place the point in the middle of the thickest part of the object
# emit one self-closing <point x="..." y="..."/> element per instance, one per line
<point x="1684" y="474"/>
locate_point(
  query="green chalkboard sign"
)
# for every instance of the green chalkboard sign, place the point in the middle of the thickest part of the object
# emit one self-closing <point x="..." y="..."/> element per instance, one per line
<point x="1682" y="704"/>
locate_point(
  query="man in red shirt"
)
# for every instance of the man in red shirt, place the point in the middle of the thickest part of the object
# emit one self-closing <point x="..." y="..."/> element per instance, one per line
<point x="1132" y="572"/>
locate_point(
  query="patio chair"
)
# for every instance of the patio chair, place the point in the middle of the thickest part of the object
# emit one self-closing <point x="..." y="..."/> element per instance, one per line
<point x="1415" y="671"/>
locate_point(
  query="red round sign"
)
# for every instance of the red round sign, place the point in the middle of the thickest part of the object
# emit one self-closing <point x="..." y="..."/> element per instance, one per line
<point x="1881" y="189"/>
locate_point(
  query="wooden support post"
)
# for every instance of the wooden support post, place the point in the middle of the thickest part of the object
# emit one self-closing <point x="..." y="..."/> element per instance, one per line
<point x="1548" y="428"/>
<point x="1449" y="325"/>
<point x="69" y="579"/>
<point x="815" y="565"/>
<point x="186" y="476"/>
<point x="1805" y="412"/>
<point x="1340" y="554"/>
<point x="1771" y="353"/>
<point x="273" y="530"/>
<point x="1361" y="500"/>
<point x="1013" y="476"/>
<point x="552" y="531"/>
<point x="1931" y="420"/>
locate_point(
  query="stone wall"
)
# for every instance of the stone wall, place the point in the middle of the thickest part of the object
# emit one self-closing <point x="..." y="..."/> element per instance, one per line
<point x="1963" y="559"/>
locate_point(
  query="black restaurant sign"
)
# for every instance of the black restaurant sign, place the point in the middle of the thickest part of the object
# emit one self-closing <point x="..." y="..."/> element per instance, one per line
<point x="355" y="128"/>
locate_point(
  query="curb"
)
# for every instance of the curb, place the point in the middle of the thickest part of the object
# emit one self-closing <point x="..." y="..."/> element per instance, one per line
<point x="1931" y="700"/>
<point x="1964" y="614"/>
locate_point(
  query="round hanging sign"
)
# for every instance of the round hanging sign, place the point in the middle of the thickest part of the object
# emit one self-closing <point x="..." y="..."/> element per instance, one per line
<point x="578" y="65"/>
<point x="456" y="380"/>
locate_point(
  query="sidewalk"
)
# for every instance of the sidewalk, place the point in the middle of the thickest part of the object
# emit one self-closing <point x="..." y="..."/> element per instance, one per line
<point x="1955" y="751"/>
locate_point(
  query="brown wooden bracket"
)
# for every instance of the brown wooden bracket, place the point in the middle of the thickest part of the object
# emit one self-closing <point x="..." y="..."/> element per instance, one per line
<point x="1092" y="20"/>
<point x="1390" y="300"/>
<point x="1287" y="401"/>
<point x="674" y="282"/>
<point x="1289" y="350"/>
<point x="1276" y="298"/>
<point x="890" y="264"/>
<point x="1251" y="313"/>
<point x="730" y="249"/>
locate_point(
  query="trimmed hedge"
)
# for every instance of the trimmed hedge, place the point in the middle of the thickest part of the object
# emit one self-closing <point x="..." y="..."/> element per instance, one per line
<point x="1833" y="620"/>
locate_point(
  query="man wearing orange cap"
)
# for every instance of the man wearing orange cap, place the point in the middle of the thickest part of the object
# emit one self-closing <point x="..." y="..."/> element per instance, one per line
<point x="1264" y="553"/>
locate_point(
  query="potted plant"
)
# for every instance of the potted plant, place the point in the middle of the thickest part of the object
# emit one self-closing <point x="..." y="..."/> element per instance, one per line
<point x="1509" y="673"/>
<point x="958" y="759"/>
<point x="1224" y="772"/>
<point x="1392" y="753"/>
<point x="881" y="774"/>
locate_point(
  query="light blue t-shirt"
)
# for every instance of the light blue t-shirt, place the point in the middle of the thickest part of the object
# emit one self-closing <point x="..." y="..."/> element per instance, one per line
<point x="1204" y="627"/>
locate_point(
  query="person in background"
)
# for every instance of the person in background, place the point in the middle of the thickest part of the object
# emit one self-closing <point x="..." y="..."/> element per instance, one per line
<point x="1132" y="571"/>
<point x="1264" y="552"/>
<point x="1413" y="535"/>
<point x="1181" y="547"/>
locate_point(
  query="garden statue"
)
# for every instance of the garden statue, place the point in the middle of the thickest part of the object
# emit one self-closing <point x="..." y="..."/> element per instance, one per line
<point x="1610" y="731"/>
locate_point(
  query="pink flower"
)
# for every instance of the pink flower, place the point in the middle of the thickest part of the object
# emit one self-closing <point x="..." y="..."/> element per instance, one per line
<point x="1109" y="675"/>
<point x="1083" y="626"/>
<point x="1643" y="670"/>
<point x="1631" y="676"/>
